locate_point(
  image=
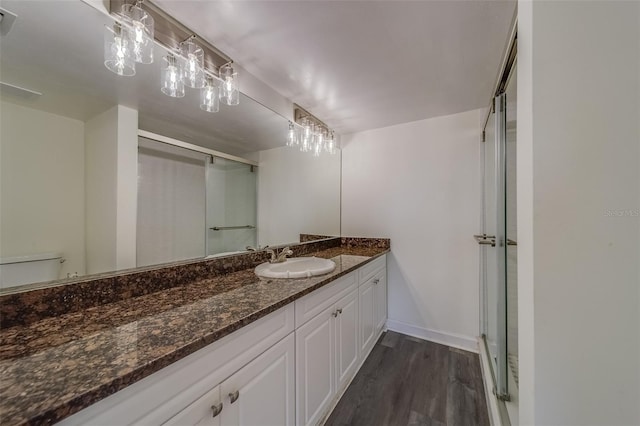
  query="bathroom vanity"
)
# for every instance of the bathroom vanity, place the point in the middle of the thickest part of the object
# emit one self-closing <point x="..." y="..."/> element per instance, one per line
<point x="232" y="349"/>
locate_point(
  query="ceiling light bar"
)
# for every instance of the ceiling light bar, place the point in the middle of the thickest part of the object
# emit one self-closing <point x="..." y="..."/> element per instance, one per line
<point x="312" y="135"/>
<point x="190" y="62"/>
<point x="169" y="32"/>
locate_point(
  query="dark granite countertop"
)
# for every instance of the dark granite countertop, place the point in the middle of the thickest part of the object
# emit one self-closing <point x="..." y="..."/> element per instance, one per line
<point x="56" y="366"/>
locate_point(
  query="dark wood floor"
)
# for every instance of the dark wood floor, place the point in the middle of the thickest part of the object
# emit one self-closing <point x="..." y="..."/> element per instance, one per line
<point x="408" y="381"/>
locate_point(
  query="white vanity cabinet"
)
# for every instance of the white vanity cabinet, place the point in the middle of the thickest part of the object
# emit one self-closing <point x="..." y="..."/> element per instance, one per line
<point x="260" y="393"/>
<point x="373" y="302"/>
<point x="367" y="296"/>
<point x="263" y="392"/>
<point x="288" y="368"/>
<point x="326" y="358"/>
<point x="204" y="412"/>
<point x="336" y="328"/>
<point x="185" y="391"/>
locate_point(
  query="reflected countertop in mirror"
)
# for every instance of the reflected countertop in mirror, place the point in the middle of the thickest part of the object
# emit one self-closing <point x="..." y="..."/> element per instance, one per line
<point x="72" y="161"/>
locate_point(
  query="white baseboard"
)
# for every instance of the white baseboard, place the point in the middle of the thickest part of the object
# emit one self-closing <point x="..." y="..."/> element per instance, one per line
<point x="454" y="340"/>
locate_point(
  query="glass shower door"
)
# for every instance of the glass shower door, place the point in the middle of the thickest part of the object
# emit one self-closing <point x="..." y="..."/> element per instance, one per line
<point x="493" y="243"/>
<point x="511" y="227"/>
<point x="231" y="206"/>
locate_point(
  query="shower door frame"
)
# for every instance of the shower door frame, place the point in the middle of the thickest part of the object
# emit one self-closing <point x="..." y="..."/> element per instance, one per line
<point x="499" y="370"/>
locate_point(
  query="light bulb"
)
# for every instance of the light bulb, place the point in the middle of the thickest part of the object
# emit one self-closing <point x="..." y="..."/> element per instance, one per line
<point x="117" y="52"/>
<point x="209" y="100"/>
<point x="172" y="84"/>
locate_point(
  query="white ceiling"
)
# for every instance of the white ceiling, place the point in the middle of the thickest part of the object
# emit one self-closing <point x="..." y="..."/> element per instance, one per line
<point x="56" y="48"/>
<point x="359" y="65"/>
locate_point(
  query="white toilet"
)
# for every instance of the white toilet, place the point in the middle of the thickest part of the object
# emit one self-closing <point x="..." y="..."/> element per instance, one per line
<point x="34" y="268"/>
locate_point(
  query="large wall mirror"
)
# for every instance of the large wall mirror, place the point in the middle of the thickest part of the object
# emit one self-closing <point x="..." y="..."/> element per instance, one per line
<point x="107" y="173"/>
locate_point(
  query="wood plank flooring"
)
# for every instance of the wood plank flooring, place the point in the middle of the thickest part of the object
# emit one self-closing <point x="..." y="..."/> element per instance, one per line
<point x="408" y="381"/>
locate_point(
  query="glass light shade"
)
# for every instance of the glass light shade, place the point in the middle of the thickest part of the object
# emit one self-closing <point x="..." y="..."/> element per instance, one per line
<point x="229" y="93"/>
<point x="330" y="145"/>
<point x="192" y="64"/>
<point x="307" y="135"/>
<point x="141" y="32"/>
<point x="292" y="135"/>
<point x="318" y="145"/>
<point x="117" y="50"/>
<point x="172" y="84"/>
<point x="209" y="99"/>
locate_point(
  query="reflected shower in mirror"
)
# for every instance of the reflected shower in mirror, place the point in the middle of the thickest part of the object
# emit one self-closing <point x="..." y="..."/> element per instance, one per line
<point x="81" y="193"/>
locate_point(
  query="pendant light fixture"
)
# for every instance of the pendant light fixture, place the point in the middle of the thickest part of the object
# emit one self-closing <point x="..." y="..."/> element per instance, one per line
<point x="192" y="63"/>
<point x="141" y="31"/>
<point x="229" y="92"/>
<point x="118" y="56"/>
<point x="172" y="84"/>
<point x="132" y="39"/>
<point x="209" y="98"/>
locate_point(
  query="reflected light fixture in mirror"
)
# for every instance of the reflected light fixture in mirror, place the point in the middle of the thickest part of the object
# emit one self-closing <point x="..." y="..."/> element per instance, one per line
<point x="315" y="136"/>
<point x="209" y="99"/>
<point x="192" y="64"/>
<point x="141" y="31"/>
<point x="318" y="144"/>
<point x="172" y="84"/>
<point x="118" y="56"/>
<point x="330" y="146"/>
<point x="292" y="136"/>
<point x="136" y="37"/>
<point x="229" y="93"/>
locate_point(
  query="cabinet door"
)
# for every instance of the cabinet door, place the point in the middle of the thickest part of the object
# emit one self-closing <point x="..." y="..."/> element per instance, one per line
<point x="380" y="285"/>
<point x="367" y="316"/>
<point x="346" y="329"/>
<point x="262" y="392"/>
<point x="314" y="368"/>
<point x="204" y="411"/>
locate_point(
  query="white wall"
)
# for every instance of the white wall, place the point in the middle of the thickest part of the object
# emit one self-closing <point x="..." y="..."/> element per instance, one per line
<point x="418" y="184"/>
<point x="42" y="185"/>
<point x="579" y="203"/>
<point x="297" y="193"/>
<point x="111" y="173"/>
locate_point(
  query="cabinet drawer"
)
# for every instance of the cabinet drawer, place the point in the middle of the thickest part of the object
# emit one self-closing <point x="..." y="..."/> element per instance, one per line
<point x="312" y="304"/>
<point x="371" y="268"/>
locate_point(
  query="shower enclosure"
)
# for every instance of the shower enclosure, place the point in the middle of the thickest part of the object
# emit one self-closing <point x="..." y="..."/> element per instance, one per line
<point x="498" y="240"/>
<point x="192" y="204"/>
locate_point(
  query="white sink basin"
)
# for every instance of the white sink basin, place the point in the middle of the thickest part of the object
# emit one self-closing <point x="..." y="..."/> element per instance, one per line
<point x="296" y="267"/>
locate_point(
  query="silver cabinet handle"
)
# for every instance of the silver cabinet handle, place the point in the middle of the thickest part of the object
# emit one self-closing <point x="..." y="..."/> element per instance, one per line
<point x="334" y="314"/>
<point x="376" y="281"/>
<point x="339" y="311"/>
<point x="216" y="409"/>
<point x="233" y="397"/>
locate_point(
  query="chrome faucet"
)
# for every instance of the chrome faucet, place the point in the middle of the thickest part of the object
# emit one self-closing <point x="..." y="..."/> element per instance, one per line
<point x="279" y="257"/>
